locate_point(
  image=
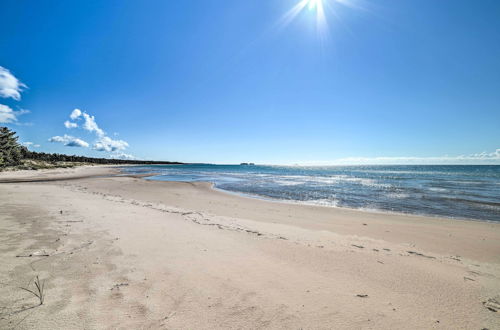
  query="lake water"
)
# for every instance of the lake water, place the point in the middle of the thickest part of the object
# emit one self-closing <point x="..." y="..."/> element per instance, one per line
<point x="465" y="192"/>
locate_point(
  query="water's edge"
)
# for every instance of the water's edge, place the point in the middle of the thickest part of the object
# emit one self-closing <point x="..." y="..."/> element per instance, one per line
<point x="450" y="192"/>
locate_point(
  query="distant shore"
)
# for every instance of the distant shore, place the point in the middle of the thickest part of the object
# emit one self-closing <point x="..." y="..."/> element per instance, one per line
<point x="119" y="251"/>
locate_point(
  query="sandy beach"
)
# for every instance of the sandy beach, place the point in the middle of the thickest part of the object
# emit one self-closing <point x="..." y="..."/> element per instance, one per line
<point x="122" y="252"/>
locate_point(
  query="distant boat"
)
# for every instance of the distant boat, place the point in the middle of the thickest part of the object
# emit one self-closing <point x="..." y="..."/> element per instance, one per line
<point x="247" y="164"/>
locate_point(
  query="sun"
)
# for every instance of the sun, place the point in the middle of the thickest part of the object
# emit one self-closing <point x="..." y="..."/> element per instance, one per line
<point x="314" y="6"/>
<point x="316" y="12"/>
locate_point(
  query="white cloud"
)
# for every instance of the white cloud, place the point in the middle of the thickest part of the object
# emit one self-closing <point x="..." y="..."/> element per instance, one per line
<point x="7" y="115"/>
<point x="30" y="144"/>
<point x="75" y="114"/>
<point x="486" y="155"/>
<point x="69" y="141"/>
<point x="10" y="86"/>
<point x="105" y="143"/>
<point x="69" y="124"/>
<point x="90" y="124"/>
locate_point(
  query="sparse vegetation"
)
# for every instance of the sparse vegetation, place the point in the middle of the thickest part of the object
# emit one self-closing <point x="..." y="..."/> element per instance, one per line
<point x="39" y="289"/>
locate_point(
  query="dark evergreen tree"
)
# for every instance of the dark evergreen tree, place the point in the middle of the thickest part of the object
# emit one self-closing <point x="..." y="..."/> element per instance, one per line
<point x="10" y="149"/>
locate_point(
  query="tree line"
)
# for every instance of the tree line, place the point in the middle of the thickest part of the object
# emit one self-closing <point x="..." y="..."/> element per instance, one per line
<point x="12" y="153"/>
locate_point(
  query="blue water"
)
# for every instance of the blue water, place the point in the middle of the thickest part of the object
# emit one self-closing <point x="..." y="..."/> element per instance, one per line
<point x="463" y="192"/>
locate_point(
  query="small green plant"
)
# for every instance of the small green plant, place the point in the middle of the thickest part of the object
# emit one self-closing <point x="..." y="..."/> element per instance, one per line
<point x="39" y="289"/>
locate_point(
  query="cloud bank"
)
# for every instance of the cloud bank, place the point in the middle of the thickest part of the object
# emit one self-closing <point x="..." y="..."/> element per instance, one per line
<point x="81" y="119"/>
<point x="10" y="86"/>
<point x="477" y="158"/>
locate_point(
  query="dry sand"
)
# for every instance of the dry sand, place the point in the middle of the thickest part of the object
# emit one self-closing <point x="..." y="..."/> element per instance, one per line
<point x="127" y="253"/>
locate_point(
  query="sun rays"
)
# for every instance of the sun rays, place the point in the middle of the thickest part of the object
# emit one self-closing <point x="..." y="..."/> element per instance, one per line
<point x="317" y="9"/>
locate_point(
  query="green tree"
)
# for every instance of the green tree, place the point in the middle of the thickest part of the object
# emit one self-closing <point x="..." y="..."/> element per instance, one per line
<point x="10" y="149"/>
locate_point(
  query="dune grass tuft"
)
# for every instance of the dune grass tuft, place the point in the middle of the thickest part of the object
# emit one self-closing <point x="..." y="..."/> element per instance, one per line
<point x="39" y="289"/>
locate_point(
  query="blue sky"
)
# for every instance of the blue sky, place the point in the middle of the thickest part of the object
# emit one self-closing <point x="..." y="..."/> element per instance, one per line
<point x="229" y="81"/>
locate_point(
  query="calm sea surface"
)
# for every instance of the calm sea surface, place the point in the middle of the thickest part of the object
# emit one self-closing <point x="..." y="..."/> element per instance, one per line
<point x="464" y="192"/>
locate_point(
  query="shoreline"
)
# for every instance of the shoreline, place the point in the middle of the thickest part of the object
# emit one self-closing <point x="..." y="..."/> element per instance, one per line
<point x="123" y="252"/>
<point x="466" y="193"/>
<point x="373" y="211"/>
<point x="116" y="171"/>
<point x="298" y="202"/>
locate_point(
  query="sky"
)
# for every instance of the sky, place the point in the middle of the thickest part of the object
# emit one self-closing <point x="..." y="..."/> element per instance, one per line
<point x="264" y="81"/>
